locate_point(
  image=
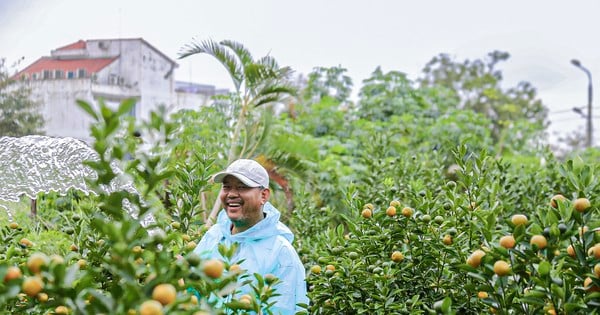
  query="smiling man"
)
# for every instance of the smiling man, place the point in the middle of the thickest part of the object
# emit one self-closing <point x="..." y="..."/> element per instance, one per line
<point x="264" y="243"/>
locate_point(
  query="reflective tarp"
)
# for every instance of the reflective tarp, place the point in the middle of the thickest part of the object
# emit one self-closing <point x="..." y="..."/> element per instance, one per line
<point x="40" y="164"/>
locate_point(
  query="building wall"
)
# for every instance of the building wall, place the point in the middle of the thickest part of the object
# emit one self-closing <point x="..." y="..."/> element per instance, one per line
<point x="156" y="82"/>
<point x="141" y="72"/>
<point x="193" y="101"/>
<point x="140" y="67"/>
<point x="59" y="108"/>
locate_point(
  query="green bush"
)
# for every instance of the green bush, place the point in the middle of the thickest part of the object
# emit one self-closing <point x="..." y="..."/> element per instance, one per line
<point x="449" y="201"/>
<point x="447" y="217"/>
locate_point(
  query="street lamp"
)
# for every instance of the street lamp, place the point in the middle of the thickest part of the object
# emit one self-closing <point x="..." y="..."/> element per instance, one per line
<point x="577" y="64"/>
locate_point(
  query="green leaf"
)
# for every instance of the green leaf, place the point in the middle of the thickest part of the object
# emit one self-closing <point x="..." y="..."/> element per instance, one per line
<point x="544" y="268"/>
<point x="447" y="305"/>
<point x="532" y="301"/>
<point x="536" y="294"/>
<point x="477" y="276"/>
<point x="557" y="291"/>
<point x="492" y="219"/>
<point x="519" y="231"/>
<point x="101" y="301"/>
<point x="126" y="106"/>
<point x="551" y="218"/>
<point x="88" y="109"/>
<point x="105" y="111"/>
<point x="71" y="275"/>
<point x="535" y="228"/>
<point x="573" y="307"/>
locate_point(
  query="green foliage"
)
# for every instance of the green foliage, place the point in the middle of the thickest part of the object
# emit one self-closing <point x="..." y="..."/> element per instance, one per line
<point x="191" y="175"/>
<point x="104" y="258"/>
<point x="257" y="83"/>
<point x="477" y="84"/>
<point x="19" y="115"/>
<point x="454" y="174"/>
<point x="324" y="118"/>
<point x="452" y="212"/>
<point x="387" y="94"/>
<point x="328" y="82"/>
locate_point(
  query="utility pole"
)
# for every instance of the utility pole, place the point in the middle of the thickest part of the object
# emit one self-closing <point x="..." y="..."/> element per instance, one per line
<point x="577" y="64"/>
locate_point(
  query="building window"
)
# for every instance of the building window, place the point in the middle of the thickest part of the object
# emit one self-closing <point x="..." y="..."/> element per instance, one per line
<point x="70" y="75"/>
<point x="113" y="79"/>
<point x="59" y="74"/>
<point x="81" y="73"/>
<point x="46" y="74"/>
<point x="34" y="76"/>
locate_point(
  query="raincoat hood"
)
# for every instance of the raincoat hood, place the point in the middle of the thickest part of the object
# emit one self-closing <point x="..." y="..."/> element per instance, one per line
<point x="267" y="227"/>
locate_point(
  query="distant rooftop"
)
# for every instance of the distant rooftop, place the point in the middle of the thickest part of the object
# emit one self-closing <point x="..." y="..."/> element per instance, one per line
<point x="197" y="88"/>
<point x="90" y="65"/>
<point x="80" y="44"/>
<point x="75" y="58"/>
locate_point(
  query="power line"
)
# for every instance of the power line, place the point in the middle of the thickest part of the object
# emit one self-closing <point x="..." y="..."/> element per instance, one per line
<point x="572" y="118"/>
<point x="570" y="110"/>
<point x="565" y="119"/>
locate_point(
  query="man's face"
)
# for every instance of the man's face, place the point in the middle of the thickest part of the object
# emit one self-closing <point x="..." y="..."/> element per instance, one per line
<point x="243" y="204"/>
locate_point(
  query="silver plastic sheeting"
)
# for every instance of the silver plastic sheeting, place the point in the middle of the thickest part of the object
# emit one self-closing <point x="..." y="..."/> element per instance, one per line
<point x="39" y="164"/>
<point x="33" y="164"/>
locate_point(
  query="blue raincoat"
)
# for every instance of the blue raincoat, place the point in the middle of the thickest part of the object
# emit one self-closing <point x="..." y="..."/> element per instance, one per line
<point x="266" y="249"/>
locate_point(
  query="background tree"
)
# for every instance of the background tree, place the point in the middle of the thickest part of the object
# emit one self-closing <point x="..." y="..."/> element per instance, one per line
<point x="260" y="83"/>
<point x="332" y="82"/>
<point x="257" y="83"/>
<point x="392" y="93"/>
<point x="575" y="141"/>
<point x="478" y="86"/>
<point x="19" y="115"/>
<point x="386" y="94"/>
<point x="325" y="103"/>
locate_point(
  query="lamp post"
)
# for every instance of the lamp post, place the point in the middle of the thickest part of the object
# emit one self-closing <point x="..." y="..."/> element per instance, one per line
<point x="577" y="64"/>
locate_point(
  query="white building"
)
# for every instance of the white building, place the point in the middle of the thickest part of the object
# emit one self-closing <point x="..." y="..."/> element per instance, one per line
<point x="190" y="95"/>
<point x="111" y="69"/>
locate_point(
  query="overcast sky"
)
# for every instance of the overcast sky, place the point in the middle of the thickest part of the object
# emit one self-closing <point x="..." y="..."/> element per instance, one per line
<point x="542" y="37"/>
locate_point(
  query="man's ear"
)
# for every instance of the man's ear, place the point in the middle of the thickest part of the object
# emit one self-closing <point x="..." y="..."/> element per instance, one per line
<point x="265" y="194"/>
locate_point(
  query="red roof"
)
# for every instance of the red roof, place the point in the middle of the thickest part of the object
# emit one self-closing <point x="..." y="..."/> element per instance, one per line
<point x="92" y="65"/>
<point x="80" y="44"/>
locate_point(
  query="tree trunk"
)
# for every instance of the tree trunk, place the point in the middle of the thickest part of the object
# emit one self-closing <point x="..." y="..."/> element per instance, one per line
<point x="33" y="208"/>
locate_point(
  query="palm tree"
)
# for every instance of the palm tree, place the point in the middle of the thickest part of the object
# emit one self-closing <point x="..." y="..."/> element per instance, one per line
<point x="257" y="83"/>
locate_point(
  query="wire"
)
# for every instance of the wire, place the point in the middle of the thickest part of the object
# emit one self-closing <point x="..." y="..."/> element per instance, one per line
<point x="560" y="111"/>
<point x="572" y="118"/>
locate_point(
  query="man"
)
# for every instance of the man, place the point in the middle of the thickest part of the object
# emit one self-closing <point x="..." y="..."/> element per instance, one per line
<point x="264" y="243"/>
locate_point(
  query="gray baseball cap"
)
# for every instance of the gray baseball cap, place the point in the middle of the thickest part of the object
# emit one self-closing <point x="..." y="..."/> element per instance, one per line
<point x="248" y="171"/>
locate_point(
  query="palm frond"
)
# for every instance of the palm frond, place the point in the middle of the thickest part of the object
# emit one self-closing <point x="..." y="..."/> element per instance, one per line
<point x="292" y="157"/>
<point x="240" y="51"/>
<point x="271" y="91"/>
<point x="221" y="53"/>
<point x="271" y="99"/>
<point x="268" y="62"/>
<point x="258" y="75"/>
<point x="266" y="100"/>
<point x="278" y="89"/>
<point x="290" y="163"/>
